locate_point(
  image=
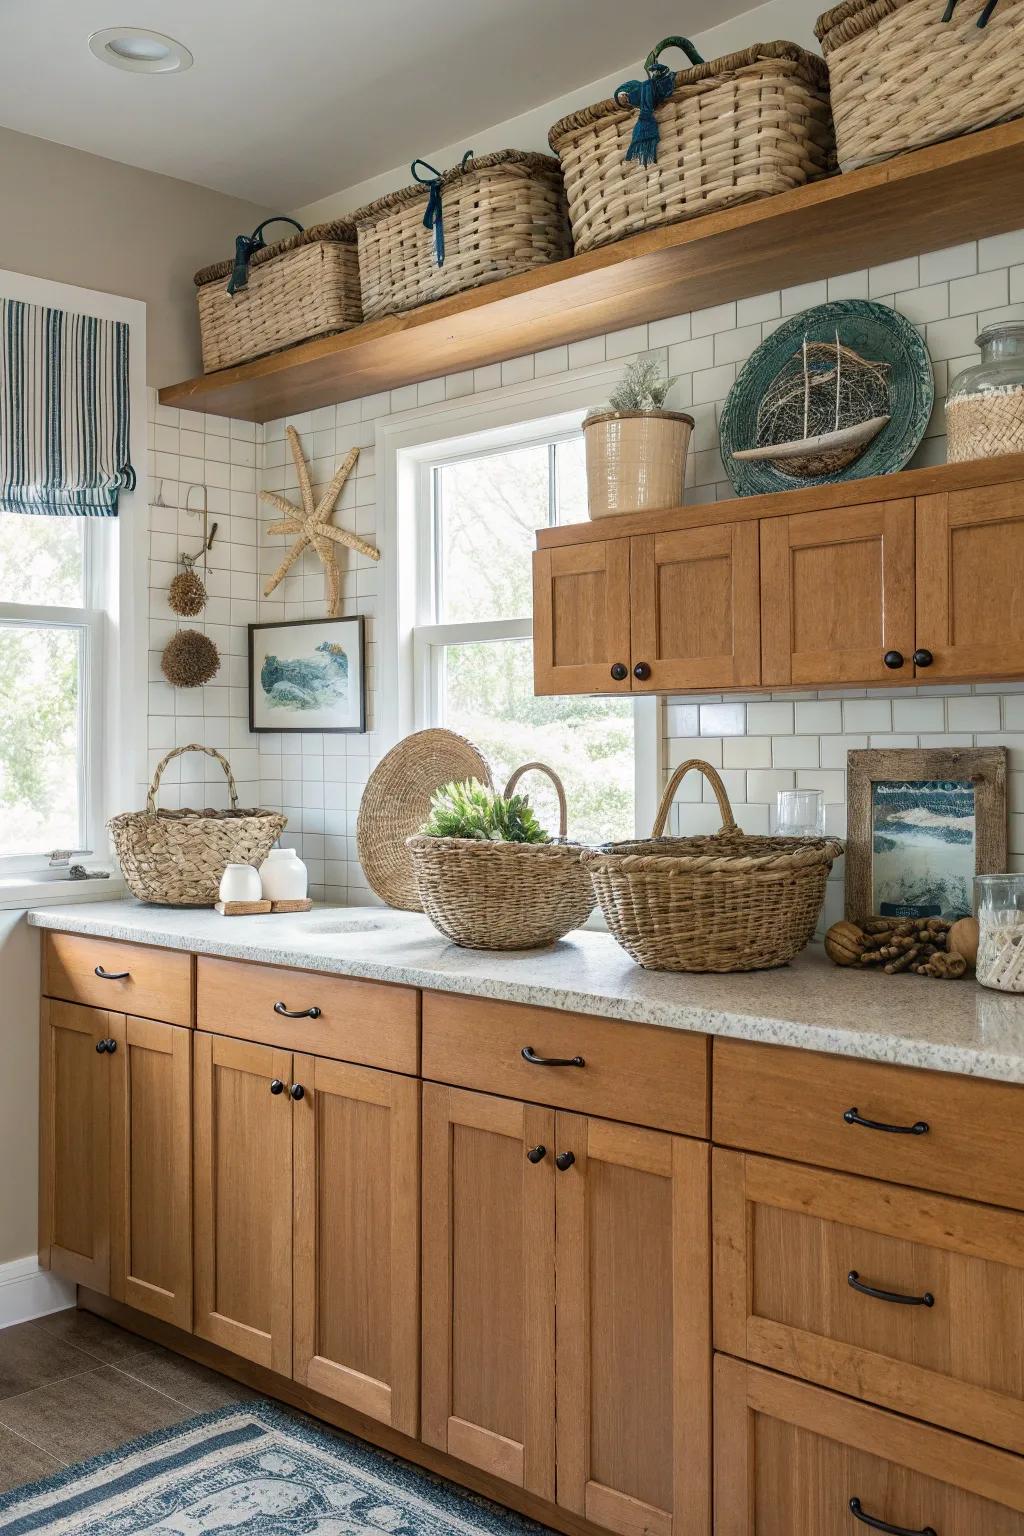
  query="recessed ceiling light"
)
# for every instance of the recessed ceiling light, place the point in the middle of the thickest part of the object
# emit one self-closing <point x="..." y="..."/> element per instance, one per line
<point x="139" y="50"/>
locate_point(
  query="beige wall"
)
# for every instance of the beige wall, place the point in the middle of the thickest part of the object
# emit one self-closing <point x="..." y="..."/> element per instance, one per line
<point x="19" y="1118"/>
<point x="76" y="218"/>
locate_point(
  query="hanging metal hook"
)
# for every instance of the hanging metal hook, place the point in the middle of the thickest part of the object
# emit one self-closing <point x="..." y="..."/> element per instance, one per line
<point x="204" y="513"/>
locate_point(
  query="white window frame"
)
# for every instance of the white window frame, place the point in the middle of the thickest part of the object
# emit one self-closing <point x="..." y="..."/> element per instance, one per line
<point x="407" y="446"/>
<point x="111" y="622"/>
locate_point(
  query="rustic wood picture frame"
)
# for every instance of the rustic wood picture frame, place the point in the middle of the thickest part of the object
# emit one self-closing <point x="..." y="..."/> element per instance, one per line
<point x="984" y="766"/>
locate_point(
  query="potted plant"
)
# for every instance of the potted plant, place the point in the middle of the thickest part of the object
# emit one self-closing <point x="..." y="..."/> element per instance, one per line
<point x="636" y="450"/>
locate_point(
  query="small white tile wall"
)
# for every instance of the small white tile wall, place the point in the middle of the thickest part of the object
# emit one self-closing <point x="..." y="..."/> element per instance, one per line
<point x="762" y="744"/>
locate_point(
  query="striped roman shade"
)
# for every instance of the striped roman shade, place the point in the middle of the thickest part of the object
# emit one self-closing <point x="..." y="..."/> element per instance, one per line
<point x="64" y="413"/>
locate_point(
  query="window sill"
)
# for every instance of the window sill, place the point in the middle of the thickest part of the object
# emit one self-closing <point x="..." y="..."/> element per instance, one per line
<point x="17" y="891"/>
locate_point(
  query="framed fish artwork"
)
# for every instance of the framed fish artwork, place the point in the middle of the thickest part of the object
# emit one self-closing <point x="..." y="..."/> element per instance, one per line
<point x="308" y="675"/>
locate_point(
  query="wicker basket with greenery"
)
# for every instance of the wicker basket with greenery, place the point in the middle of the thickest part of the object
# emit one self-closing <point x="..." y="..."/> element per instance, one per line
<point x="490" y="877"/>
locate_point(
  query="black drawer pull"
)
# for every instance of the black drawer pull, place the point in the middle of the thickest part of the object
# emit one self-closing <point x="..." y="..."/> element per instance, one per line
<point x="564" y="1161"/>
<point x="537" y="1154"/>
<point x="297" y="1013"/>
<point x="883" y="1525"/>
<point x="855" y="1283"/>
<point x="530" y="1055"/>
<point x="111" y="975"/>
<point x="919" y="1127"/>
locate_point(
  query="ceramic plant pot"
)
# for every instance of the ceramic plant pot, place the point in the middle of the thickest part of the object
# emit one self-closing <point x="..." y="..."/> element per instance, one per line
<point x="636" y="460"/>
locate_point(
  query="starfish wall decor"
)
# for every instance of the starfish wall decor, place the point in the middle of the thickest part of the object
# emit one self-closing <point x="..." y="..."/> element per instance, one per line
<point x="311" y="525"/>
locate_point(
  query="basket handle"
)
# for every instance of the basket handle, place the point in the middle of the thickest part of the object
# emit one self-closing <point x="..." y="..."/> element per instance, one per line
<point x="246" y="247"/>
<point x="563" y="822"/>
<point x="721" y="795"/>
<point x="176" y="752"/>
<point x="652" y="63"/>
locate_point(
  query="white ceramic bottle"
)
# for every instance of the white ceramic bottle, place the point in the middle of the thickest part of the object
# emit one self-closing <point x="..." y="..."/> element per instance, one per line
<point x="240" y="882"/>
<point x="284" y="876"/>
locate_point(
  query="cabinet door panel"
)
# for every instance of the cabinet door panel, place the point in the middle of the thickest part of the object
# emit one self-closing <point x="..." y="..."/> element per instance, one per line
<point x="634" y="1351"/>
<point x="694" y="599"/>
<point x="789" y="1458"/>
<point x="581" y="617"/>
<point x="837" y="593"/>
<point x="150" y="1170"/>
<point x="243" y="1200"/>
<point x="74" y="1142"/>
<point x="356" y="1139"/>
<point x="489" y="1284"/>
<point x="970" y="595"/>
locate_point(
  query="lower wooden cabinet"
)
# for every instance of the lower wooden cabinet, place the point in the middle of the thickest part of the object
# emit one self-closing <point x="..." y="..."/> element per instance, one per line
<point x="521" y="1201"/>
<point x="793" y="1460"/>
<point x="75" y="1078"/>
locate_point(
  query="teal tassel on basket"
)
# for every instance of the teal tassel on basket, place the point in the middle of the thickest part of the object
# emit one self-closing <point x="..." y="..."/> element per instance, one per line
<point x="433" y="217"/>
<point x="647" y="94"/>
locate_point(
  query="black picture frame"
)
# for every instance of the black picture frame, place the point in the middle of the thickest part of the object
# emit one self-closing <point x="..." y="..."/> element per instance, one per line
<point x="344" y="624"/>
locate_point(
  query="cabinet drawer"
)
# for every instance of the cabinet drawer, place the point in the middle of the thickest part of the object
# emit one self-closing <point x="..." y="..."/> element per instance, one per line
<point x="790" y="1459"/>
<point x="634" y="1072"/>
<point x="362" y="1021"/>
<point x="793" y="1104"/>
<point x="151" y="983"/>
<point x="788" y="1241"/>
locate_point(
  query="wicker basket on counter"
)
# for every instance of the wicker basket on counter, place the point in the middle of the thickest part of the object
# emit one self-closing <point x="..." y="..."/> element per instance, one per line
<point x="902" y="76"/>
<point x="486" y="218"/>
<point x="504" y="895"/>
<point x="743" y="126"/>
<point x="728" y="902"/>
<point x="176" y="858"/>
<point x="305" y="286"/>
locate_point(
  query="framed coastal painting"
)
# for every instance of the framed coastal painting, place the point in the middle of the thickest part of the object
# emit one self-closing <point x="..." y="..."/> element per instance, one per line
<point x="307" y="675"/>
<point x="921" y="824"/>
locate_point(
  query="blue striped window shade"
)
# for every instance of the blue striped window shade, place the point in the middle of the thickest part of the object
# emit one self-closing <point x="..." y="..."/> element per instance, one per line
<point x="64" y="412"/>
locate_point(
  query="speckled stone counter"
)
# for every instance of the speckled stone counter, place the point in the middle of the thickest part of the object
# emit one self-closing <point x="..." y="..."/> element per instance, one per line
<point x="811" y="1005"/>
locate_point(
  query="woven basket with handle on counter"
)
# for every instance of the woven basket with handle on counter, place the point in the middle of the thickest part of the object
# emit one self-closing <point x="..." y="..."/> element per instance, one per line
<point x="486" y="895"/>
<point x="176" y="858"/>
<point x="728" y="902"/>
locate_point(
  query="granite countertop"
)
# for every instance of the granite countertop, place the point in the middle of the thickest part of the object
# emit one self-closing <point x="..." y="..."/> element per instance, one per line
<point x="811" y="1004"/>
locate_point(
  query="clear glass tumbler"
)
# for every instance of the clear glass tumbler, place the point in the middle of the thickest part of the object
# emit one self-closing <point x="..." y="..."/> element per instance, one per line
<point x="800" y="813"/>
<point x="999" y="904"/>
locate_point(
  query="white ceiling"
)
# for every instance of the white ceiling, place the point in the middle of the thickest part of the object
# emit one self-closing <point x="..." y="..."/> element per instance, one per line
<point x="288" y="102"/>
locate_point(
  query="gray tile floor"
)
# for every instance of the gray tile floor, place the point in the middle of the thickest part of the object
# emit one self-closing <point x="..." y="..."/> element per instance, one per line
<point x="73" y="1385"/>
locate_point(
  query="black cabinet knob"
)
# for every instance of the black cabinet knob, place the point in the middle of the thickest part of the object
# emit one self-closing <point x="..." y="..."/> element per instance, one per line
<point x="536" y="1154"/>
<point x="620" y="671"/>
<point x="642" y="671"/>
<point x="111" y="1047"/>
<point x="923" y="658"/>
<point x="893" y="660"/>
<point x="277" y="1086"/>
<point x="564" y="1160"/>
<point x="297" y="1091"/>
<point x="101" y="1047"/>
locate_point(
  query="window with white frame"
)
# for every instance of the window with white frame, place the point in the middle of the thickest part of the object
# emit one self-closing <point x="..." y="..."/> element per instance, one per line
<point x="52" y="577"/>
<point x="479" y="513"/>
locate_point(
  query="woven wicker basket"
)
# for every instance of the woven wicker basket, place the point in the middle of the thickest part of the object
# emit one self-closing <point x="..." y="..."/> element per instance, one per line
<point x="501" y="214"/>
<point x="902" y="77"/>
<point x="305" y="286"/>
<point x="722" y="903"/>
<point x="739" y="127"/>
<point x="176" y="858"/>
<point x="504" y="895"/>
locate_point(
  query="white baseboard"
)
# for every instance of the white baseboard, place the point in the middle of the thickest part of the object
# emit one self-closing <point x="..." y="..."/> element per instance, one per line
<point x="26" y="1291"/>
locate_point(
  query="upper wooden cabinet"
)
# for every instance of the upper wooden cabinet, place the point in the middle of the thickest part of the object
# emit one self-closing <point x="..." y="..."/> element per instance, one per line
<point x="907" y="578"/>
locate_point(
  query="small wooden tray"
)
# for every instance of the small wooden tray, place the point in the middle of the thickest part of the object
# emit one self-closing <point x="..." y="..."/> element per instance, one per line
<point x="258" y="908"/>
<point x="305" y="905"/>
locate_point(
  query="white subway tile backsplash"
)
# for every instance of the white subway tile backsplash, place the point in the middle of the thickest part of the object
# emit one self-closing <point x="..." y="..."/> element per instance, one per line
<point x="747" y="751"/>
<point x="796" y="752"/>
<point x="770" y="719"/>
<point x="974" y="714"/>
<point x="954" y="261"/>
<point x="919" y="714"/>
<point x="725" y="719"/>
<point x="818" y="717"/>
<point x="867" y="715"/>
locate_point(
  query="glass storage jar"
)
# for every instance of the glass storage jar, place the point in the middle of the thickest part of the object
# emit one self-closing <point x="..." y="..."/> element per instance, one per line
<point x="999" y="902"/>
<point x="985" y="405"/>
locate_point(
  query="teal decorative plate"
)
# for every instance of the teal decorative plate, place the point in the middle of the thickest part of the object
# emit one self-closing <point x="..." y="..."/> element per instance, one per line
<point x="876" y="334"/>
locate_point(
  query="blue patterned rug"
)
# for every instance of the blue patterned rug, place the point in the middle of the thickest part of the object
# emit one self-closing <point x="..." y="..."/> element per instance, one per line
<point x="251" y="1470"/>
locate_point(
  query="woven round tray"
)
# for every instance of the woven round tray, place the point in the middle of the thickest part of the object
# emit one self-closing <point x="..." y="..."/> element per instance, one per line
<point x="504" y="895"/>
<point x="177" y="857"/>
<point x="723" y="903"/>
<point x="396" y="803"/>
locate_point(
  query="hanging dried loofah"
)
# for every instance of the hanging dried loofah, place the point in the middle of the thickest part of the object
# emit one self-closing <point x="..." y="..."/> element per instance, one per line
<point x="187" y="594"/>
<point x="190" y="659"/>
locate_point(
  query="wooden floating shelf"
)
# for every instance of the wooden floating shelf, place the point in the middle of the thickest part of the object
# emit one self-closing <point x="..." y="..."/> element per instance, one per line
<point x="963" y="189"/>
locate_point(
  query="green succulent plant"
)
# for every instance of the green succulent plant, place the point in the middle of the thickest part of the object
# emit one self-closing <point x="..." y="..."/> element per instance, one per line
<point x="643" y="388"/>
<point x="470" y="809"/>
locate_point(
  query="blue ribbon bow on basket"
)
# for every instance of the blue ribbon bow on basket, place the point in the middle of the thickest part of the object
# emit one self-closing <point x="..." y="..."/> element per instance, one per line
<point x="650" y="93"/>
<point x="433" y="218"/>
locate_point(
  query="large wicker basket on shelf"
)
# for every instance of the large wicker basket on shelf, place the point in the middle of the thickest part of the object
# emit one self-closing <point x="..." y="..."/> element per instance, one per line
<point x="504" y="895"/>
<point x="176" y="858"/>
<point x="743" y="126"/>
<point x="305" y="286"/>
<point x="902" y="76"/>
<point x="728" y="902"/>
<point x="499" y="214"/>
